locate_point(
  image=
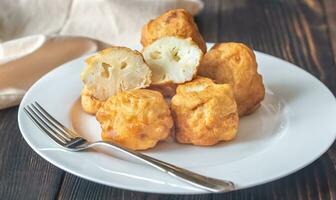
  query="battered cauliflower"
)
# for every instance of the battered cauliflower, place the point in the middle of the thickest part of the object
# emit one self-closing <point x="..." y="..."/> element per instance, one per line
<point x="172" y="23"/>
<point x="205" y="113"/>
<point x="89" y="103"/>
<point x="113" y="70"/>
<point x="172" y="60"/>
<point x="137" y="119"/>
<point x="167" y="90"/>
<point x="235" y="64"/>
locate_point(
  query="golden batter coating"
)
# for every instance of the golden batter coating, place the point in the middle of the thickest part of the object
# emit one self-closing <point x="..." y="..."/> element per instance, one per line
<point x="235" y="64"/>
<point x="89" y="103"/>
<point x="167" y="89"/>
<point x="136" y="119"/>
<point x="176" y="22"/>
<point x="205" y="113"/>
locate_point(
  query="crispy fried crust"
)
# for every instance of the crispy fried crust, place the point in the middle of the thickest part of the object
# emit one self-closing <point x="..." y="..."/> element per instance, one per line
<point x="166" y="89"/>
<point x="235" y="64"/>
<point x="204" y="113"/>
<point x="137" y="119"/>
<point x="89" y="103"/>
<point x="172" y="23"/>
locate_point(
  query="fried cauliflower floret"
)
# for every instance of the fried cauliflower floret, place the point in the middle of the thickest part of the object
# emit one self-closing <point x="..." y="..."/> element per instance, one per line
<point x="205" y="113"/>
<point x="167" y="90"/>
<point x="235" y="64"/>
<point x="89" y="103"/>
<point x="136" y="119"/>
<point x="172" y="23"/>
<point x="114" y="70"/>
<point x="172" y="60"/>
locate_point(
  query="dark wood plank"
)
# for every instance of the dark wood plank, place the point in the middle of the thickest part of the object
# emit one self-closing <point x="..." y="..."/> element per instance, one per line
<point x="208" y="20"/>
<point x="77" y="188"/>
<point x="23" y="174"/>
<point x="330" y="10"/>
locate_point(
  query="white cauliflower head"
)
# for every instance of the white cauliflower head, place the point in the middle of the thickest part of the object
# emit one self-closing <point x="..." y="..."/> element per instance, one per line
<point x="113" y="70"/>
<point x="172" y="59"/>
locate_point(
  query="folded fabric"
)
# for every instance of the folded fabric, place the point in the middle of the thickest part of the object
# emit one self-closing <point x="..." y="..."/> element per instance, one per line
<point x="10" y="97"/>
<point x="18" y="48"/>
<point x="38" y="25"/>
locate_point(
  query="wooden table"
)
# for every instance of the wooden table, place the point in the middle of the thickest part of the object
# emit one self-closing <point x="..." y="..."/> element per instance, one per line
<point x="301" y="32"/>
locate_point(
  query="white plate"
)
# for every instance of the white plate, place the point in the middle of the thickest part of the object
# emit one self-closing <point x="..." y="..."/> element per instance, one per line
<point x="293" y="127"/>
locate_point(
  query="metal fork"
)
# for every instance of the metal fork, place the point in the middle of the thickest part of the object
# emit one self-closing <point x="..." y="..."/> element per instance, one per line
<point x="69" y="140"/>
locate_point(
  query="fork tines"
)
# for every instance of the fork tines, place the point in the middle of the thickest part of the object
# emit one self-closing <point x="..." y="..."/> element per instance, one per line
<point x="49" y="125"/>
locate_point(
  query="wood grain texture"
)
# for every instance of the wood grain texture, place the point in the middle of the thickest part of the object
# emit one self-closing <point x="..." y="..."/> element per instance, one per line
<point x="23" y="173"/>
<point x="330" y="12"/>
<point x="299" y="31"/>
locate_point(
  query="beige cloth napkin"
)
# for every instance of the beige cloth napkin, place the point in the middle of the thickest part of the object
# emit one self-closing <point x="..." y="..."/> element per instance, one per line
<point x="30" y="34"/>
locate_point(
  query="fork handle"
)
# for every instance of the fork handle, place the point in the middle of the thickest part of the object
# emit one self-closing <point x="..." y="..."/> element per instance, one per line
<point x="204" y="182"/>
